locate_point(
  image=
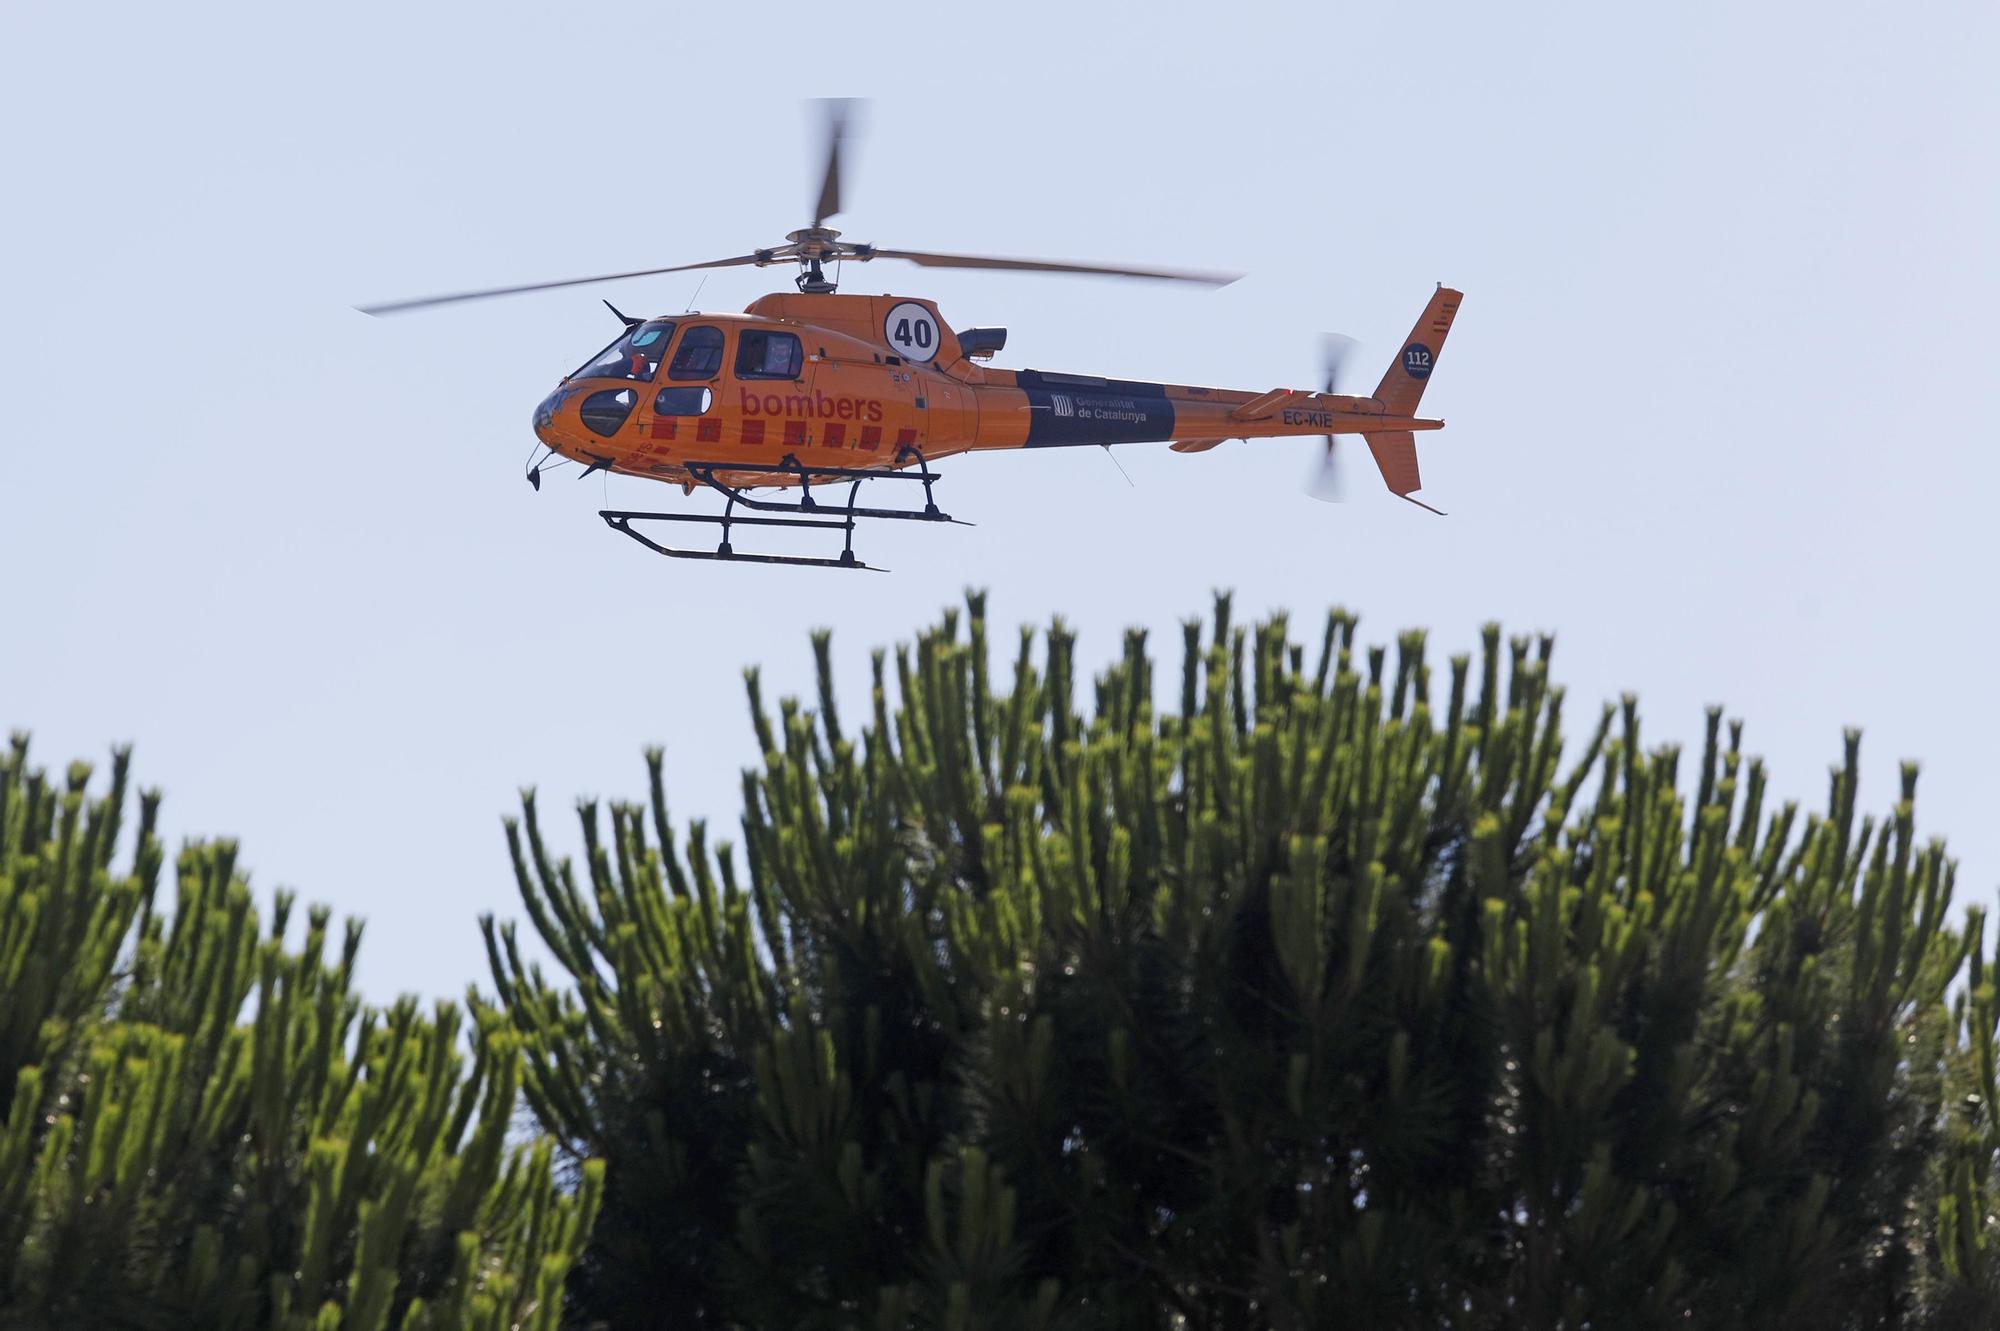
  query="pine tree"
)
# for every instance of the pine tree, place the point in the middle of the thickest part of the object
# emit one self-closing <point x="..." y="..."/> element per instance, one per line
<point x="167" y="1160"/>
<point x="1329" y="997"/>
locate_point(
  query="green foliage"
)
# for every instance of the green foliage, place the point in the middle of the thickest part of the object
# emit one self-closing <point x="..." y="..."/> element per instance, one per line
<point x="1329" y="997"/>
<point x="169" y="1160"/>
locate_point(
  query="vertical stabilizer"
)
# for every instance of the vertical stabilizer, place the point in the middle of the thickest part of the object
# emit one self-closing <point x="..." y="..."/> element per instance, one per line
<point x="1402" y="387"/>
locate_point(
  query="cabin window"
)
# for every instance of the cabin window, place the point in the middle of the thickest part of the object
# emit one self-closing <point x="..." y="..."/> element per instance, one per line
<point x="763" y="354"/>
<point x="635" y="355"/>
<point x="605" y="413"/>
<point x="681" y="402"/>
<point x="699" y="356"/>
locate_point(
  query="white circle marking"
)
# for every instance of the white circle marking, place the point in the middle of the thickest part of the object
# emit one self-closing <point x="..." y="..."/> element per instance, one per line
<point x="912" y="332"/>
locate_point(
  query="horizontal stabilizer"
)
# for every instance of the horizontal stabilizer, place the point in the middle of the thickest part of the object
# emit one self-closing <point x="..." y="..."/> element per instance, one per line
<point x="1267" y="404"/>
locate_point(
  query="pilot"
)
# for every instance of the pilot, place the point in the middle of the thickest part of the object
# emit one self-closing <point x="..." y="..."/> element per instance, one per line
<point x="643" y="352"/>
<point x="773" y="355"/>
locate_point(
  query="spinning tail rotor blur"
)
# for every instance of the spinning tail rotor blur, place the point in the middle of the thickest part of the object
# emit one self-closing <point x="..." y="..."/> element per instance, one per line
<point x="1324" y="484"/>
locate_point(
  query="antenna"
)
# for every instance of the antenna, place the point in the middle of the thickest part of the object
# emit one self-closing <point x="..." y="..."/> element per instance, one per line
<point x="1121" y="466"/>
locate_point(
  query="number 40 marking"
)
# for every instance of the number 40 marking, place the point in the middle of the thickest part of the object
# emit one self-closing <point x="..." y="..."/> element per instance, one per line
<point x="912" y="330"/>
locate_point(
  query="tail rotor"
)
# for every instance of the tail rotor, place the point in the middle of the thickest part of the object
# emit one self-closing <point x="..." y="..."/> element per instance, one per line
<point x="1324" y="483"/>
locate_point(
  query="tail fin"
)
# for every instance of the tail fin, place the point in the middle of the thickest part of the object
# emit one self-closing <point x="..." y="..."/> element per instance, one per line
<point x="1402" y="386"/>
<point x="1396" y="454"/>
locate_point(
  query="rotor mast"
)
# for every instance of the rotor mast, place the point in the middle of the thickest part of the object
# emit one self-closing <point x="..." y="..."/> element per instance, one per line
<point x="814" y="245"/>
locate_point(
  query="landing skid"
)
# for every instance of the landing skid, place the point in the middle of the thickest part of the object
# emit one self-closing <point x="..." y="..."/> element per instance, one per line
<point x="804" y="513"/>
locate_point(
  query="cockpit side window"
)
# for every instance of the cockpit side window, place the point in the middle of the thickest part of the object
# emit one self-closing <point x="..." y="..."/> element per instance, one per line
<point x="682" y="401"/>
<point x="764" y="354"/>
<point x="635" y="355"/>
<point x="700" y="354"/>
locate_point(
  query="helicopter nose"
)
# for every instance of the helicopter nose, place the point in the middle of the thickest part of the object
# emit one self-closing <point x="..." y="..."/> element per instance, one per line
<point x="546" y="430"/>
<point x="545" y="415"/>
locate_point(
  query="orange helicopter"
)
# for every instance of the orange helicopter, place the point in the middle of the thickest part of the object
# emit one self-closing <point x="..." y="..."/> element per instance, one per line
<point x="817" y="391"/>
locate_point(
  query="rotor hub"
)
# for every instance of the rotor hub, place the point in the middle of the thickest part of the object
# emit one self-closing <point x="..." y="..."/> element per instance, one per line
<point x="815" y="242"/>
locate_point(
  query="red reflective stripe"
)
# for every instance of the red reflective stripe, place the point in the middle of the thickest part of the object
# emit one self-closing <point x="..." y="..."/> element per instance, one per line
<point x="795" y="432"/>
<point x="871" y="436"/>
<point x="836" y="435"/>
<point x="905" y="437"/>
<point x="753" y="432"/>
<point x="664" y="427"/>
<point x="708" y="431"/>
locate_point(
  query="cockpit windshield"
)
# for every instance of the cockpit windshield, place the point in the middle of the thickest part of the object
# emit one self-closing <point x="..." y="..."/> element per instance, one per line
<point x="636" y="355"/>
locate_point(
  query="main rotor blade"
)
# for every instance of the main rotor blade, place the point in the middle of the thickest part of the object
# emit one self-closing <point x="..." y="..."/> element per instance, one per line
<point x="930" y="260"/>
<point x="425" y="302"/>
<point x="836" y="111"/>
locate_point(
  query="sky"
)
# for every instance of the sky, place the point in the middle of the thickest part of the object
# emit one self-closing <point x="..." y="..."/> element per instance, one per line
<point x="1720" y="400"/>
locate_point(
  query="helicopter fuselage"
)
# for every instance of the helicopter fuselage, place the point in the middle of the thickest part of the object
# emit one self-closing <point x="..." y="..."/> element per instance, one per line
<point x="821" y="389"/>
<point x="882" y="382"/>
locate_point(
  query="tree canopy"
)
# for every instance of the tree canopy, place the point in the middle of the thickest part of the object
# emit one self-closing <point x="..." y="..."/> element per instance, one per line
<point x="203" y="1126"/>
<point x="1330" y="992"/>
<point x="1303" y="989"/>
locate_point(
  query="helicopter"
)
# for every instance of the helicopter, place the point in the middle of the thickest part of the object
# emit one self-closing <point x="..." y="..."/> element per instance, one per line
<point x="816" y="391"/>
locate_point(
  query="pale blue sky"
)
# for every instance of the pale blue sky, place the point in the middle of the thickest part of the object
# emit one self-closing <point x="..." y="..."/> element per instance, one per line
<point x="1720" y="397"/>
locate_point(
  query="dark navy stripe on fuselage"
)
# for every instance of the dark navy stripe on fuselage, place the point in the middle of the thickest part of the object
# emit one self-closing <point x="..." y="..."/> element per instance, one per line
<point x="1083" y="409"/>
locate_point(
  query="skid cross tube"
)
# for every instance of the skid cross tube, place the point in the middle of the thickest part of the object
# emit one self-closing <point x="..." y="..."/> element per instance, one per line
<point x="708" y="473"/>
<point x="804" y="513"/>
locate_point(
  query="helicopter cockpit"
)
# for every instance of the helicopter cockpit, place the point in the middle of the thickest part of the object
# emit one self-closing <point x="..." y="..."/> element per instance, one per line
<point x="634" y="355"/>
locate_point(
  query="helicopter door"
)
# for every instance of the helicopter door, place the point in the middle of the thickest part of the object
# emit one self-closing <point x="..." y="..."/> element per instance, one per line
<point x="888" y="415"/>
<point x="676" y="415"/>
<point x="774" y="391"/>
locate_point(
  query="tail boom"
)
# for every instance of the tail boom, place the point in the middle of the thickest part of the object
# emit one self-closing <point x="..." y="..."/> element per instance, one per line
<point x="1313" y="414"/>
<point x="1218" y="414"/>
<point x="1054" y="409"/>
